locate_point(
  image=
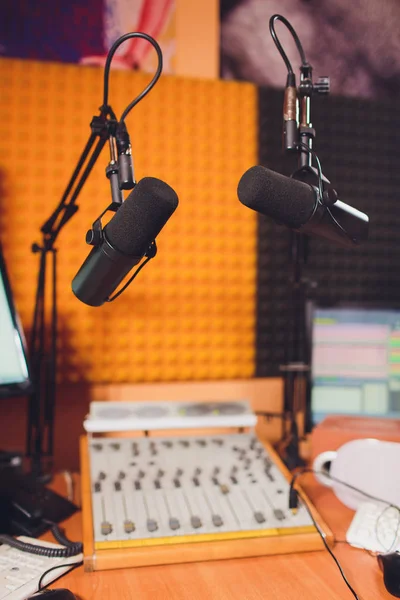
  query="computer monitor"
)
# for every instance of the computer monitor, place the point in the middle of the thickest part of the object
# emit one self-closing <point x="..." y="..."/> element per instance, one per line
<point x="14" y="369"/>
<point x="355" y="362"/>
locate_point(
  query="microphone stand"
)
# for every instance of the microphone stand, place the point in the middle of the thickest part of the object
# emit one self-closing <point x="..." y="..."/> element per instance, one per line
<point x="43" y="343"/>
<point x="297" y="367"/>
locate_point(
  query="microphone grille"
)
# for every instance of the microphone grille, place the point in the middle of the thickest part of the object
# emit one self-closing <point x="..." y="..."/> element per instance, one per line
<point x="274" y="195"/>
<point x="142" y="216"/>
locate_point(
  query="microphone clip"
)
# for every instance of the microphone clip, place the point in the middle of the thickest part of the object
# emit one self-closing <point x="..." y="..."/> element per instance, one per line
<point x="307" y="88"/>
<point x="151" y="250"/>
<point x="95" y="236"/>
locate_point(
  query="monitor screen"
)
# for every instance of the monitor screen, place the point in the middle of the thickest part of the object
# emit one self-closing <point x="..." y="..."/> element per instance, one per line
<point x="355" y="362"/>
<point x="14" y="370"/>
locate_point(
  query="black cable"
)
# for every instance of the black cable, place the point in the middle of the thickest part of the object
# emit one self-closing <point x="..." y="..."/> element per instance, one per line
<point x="320" y="188"/>
<point x="279" y="45"/>
<point x="339" y="566"/>
<point x="73" y="565"/>
<point x="69" y="548"/>
<point x="304" y="146"/>
<point x="152" y="83"/>
<point x="130" y="280"/>
<point x="151" y="252"/>
<point x="344" y="483"/>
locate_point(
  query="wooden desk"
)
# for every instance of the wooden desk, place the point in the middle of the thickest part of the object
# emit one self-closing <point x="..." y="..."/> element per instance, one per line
<point x="311" y="576"/>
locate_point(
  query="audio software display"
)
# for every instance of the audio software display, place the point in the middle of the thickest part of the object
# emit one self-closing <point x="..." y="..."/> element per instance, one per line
<point x="356" y="362"/>
<point x="14" y="374"/>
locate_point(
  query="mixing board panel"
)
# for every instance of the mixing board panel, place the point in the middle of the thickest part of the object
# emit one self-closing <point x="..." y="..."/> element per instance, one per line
<point x="167" y="491"/>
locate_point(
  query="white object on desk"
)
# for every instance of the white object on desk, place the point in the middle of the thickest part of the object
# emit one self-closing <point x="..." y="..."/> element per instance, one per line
<point x="367" y="464"/>
<point x="152" y="416"/>
<point x="375" y="527"/>
<point x="21" y="571"/>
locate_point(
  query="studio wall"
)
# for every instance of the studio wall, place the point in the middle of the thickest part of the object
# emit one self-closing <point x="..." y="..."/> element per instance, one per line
<point x="355" y="43"/>
<point x="83" y="31"/>
<point x="190" y="315"/>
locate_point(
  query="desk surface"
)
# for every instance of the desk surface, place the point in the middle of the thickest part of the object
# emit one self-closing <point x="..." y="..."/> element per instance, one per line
<point x="308" y="576"/>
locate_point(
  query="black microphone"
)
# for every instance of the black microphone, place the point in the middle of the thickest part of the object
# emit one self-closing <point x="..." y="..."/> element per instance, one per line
<point x="126" y="239"/>
<point x="298" y="205"/>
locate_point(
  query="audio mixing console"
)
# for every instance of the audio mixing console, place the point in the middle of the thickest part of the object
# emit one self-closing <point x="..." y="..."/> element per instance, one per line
<point x="223" y="494"/>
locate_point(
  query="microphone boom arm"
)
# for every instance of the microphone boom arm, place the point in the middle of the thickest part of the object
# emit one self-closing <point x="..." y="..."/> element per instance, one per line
<point x="43" y="343"/>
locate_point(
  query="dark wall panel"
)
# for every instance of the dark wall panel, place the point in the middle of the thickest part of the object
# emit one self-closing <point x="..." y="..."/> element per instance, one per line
<point x="357" y="142"/>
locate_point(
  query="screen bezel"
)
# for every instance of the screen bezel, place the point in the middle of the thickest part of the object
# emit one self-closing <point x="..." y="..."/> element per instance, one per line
<point x="25" y="386"/>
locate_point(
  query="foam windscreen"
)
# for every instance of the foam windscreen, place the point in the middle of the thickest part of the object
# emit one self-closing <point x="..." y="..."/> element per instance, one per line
<point x="274" y="195"/>
<point x="142" y="216"/>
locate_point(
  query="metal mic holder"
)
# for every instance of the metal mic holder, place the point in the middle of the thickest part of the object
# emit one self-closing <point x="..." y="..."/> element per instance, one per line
<point x="297" y="366"/>
<point x="43" y="342"/>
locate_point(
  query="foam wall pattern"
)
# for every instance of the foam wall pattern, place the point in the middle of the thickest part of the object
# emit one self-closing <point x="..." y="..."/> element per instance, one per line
<point x="190" y="315"/>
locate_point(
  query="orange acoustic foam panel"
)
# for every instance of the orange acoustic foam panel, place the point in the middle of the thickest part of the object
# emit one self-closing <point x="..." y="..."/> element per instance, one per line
<point x="190" y="314"/>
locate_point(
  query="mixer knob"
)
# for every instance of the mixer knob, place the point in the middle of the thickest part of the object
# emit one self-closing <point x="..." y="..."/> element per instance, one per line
<point x="279" y="514"/>
<point x="106" y="528"/>
<point x="259" y="517"/>
<point x="129" y="526"/>
<point x="196" y="522"/>
<point x="218" y="441"/>
<point x="217" y="520"/>
<point x="152" y="525"/>
<point x="135" y="449"/>
<point x="174" y="523"/>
